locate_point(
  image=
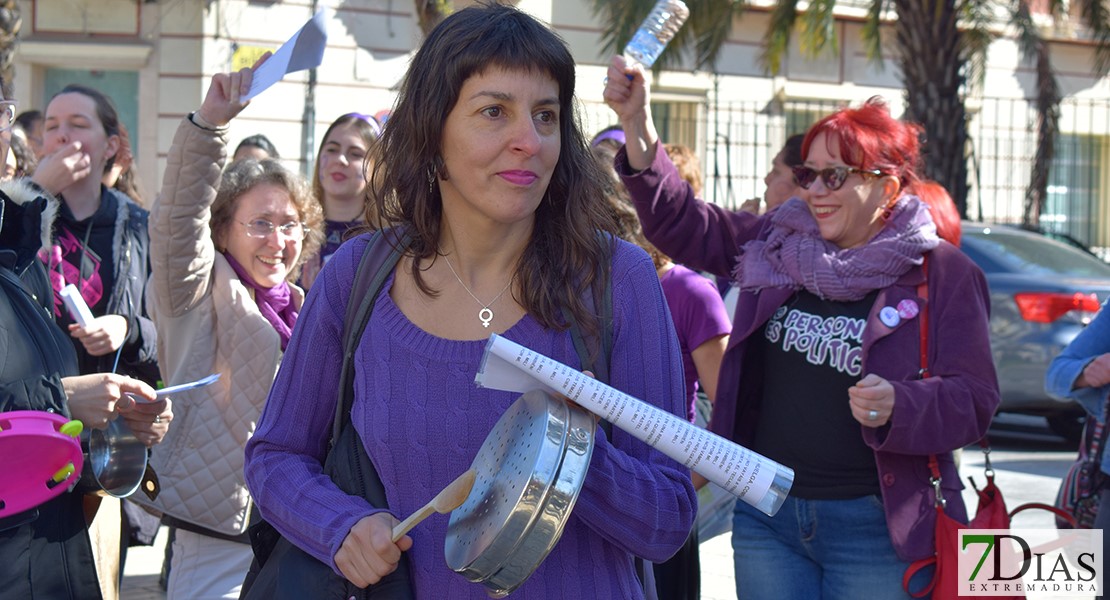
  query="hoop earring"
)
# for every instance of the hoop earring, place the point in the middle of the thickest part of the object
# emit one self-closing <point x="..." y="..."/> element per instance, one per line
<point x="888" y="210"/>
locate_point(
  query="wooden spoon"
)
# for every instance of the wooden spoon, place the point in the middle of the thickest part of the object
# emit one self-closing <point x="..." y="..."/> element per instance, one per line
<point x="446" y="501"/>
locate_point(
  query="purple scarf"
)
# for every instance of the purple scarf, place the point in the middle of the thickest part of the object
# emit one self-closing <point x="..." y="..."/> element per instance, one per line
<point x="794" y="255"/>
<point x="275" y="303"/>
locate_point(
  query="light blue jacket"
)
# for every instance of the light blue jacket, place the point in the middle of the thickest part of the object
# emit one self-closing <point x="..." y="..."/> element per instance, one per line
<point x="1059" y="381"/>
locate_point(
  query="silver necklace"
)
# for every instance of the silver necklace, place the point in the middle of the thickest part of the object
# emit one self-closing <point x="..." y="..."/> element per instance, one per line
<point x="486" y="314"/>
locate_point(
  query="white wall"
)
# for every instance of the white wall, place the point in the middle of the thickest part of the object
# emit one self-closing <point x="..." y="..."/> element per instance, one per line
<point x="177" y="45"/>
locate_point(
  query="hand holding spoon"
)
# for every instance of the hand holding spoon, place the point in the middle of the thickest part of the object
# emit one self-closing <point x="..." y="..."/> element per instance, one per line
<point x="446" y="501"/>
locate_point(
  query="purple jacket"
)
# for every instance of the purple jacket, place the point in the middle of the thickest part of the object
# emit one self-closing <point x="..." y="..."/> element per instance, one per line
<point x="949" y="410"/>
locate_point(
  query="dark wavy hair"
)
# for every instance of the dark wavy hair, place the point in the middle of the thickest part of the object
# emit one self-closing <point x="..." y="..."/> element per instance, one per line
<point x="259" y="141"/>
<point x="243" y="175"/>
<point x="566" y="254"/>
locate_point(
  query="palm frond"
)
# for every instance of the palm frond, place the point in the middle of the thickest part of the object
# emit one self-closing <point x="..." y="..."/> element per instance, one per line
<point x="622" y="19"/>
<point x="976" y="19"/>
<point x="1097" y="18"/>
<point x="711" y="23"/>
<point x="1028" y="36"/>
<point x="619" y="20"/>
<point x="1058" y="9"/>
<point x="819" y="28"/>
<point x="872" y="32"/>
<point x="777" y="38"/>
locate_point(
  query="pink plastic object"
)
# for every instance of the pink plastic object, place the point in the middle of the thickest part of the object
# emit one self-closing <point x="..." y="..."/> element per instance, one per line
<point x="33" y="454"/>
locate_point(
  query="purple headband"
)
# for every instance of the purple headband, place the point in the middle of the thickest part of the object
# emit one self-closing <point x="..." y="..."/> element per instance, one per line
<point x="369" y="119"/>
<point x="616" y="135"/>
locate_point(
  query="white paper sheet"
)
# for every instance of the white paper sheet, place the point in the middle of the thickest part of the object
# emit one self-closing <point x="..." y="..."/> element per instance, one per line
<point x="304" y="50"/>
<point x="75" y="303"/>
<point x="176" y="389"/>
<point x="757" y="480"/>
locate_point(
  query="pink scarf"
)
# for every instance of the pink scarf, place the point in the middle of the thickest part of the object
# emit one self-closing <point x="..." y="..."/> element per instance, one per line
<point x="794" y="255"/>
<point x="275" y="303"/>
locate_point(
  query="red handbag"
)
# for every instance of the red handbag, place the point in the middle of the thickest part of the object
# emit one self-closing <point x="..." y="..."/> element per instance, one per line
<point x="990" y="514"/>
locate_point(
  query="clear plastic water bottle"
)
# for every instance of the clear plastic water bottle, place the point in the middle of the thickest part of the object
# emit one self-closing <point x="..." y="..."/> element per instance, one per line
<point x="657" y="30"/>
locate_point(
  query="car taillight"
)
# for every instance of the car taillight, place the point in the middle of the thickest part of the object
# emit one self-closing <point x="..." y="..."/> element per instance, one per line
<point x="1046" y="307"/>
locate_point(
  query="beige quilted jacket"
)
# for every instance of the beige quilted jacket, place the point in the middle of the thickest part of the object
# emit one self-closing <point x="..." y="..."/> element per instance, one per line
<point x="207" y="322"/>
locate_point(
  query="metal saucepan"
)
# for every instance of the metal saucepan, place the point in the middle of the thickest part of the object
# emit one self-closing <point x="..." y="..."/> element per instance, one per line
<point x="529" y="472"/>
<point x="115" y="460"/>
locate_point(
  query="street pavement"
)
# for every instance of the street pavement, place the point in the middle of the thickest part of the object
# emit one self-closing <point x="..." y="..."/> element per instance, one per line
<point x="1027" y="458"/>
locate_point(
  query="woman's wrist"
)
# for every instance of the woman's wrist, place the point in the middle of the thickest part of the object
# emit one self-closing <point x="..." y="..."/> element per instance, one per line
<point x="642" y="142"/>
<point x="197" y="119"/>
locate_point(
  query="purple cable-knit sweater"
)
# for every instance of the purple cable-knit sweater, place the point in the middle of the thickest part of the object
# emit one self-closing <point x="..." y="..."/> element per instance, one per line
<point x="422" y="420"/>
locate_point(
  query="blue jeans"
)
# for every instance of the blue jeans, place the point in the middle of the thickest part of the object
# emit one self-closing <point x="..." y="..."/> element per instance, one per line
<point x="817" y="550"/>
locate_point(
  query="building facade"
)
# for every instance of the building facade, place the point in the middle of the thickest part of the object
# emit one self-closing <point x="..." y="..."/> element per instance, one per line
<point x="155" y="58"/>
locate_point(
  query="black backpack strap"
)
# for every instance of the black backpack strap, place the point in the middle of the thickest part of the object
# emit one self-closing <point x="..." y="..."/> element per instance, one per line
<point x="378" y="260"/>
<point x="294" y="573"/>
<point x="347" y="454"/>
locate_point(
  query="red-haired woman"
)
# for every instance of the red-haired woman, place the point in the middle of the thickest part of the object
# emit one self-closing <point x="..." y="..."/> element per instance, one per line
<point x="822" y="368"/>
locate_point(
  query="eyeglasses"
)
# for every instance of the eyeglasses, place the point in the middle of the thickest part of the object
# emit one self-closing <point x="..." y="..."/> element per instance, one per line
<point x="832" y="177"/>
<point x="260" y="228"/>
<point x="7" y="114"/>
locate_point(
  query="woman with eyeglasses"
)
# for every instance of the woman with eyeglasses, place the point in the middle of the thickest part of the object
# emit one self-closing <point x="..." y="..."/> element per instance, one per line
<point x="843" y="295"/>
<point x="339" y="183"/>
<point x="226" y="249"/>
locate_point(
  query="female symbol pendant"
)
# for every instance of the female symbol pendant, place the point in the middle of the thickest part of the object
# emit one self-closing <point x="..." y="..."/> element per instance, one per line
<point x="485" y="316"/>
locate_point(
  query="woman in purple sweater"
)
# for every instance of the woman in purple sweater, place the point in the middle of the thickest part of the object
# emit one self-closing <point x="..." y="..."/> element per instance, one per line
<point x="484" y="164"/>
<point x="822" y="369"/>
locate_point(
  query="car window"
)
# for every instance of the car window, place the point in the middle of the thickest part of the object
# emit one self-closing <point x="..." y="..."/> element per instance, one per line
<point x="1001" y="250"/>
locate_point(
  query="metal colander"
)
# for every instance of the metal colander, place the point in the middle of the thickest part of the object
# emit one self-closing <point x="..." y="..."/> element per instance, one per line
<point x="528" y="473"/>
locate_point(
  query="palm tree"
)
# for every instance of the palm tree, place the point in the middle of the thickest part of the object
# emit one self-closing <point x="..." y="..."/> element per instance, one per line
<point x="941" y="45"/>
<point x="10" y="24"/>
<point x="430" y="12"/>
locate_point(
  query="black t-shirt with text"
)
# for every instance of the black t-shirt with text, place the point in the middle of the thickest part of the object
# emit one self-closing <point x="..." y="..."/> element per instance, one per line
<point x="812" y="354"/>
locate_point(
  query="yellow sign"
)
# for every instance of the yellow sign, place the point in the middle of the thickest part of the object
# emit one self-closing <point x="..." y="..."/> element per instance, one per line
<point x="246" y="56"/>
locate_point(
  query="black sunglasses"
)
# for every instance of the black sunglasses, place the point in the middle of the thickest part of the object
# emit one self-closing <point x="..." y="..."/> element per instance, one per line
<point x="832" y="177"/>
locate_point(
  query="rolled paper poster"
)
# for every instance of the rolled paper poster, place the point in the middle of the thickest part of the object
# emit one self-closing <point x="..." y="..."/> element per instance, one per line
<point x="755" y="479"/>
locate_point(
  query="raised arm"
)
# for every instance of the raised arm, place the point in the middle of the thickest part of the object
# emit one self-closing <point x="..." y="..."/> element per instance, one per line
<point x="182" y="251"/>
<point x="700" y="235"/>
<point x="626" y="92"/>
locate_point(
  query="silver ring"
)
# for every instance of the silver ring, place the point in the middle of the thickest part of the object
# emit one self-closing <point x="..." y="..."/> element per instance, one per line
<point x="872" y="415"/>
<point x="158" y="418"/>
<point x="605" y="81"/>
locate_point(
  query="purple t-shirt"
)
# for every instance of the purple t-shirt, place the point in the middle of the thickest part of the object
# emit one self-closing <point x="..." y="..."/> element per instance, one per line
<point x="334" y="235"/>
<point x="699" y="315"/>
